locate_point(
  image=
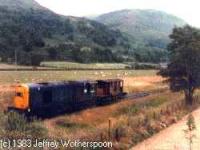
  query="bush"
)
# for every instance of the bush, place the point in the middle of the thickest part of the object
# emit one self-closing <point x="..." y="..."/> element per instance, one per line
<point x="36" y="129"/>
<point x="155" y="102"/>
<point x="136" y="108"/>
<point x="2" y="122"/>
<point x="18" y="124"/>
<point x="66" y="124"/>
<point x="140" y="136"/>
<point x="143" y="66"/>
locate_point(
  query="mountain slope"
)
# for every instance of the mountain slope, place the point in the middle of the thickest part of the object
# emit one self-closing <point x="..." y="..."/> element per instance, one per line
<point x="146" y="29"/>
<point x="34" y="33"/>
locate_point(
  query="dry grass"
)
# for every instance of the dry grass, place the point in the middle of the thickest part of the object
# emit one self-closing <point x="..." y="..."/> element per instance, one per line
<point x="97" y="118"/>
<point x="149" y="115"/>
<point x="6" y="96"/>
<point x="143" y="83"/>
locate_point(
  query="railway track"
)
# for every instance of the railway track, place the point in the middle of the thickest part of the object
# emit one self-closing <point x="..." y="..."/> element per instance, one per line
<point x="143" y="94"/>
<point x="136" y="95"/>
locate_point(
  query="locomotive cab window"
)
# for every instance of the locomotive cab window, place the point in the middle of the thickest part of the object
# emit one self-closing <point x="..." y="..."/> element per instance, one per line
<point x="121" y="84"/>
<point x="19" y="94"/>
<point x="92" y="89"/>
<point x="87" y="89"/>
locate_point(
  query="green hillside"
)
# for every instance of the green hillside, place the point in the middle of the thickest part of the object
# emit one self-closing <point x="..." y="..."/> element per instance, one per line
<point x="147" y="31"/>
<point x="31" y="33"/>
<point x="34" y="33"/>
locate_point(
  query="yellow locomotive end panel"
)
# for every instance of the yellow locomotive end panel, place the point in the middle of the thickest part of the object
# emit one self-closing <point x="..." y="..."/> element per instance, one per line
<point x="21" y="99"/>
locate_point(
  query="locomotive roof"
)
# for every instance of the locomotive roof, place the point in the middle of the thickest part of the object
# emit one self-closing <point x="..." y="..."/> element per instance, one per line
<point x="47" y="83"/>
<point x="83" y="81"/>
<point x="60" y="83"/>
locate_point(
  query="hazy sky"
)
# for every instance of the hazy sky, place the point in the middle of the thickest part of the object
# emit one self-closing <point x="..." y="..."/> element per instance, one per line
<point x="189" y="10"/>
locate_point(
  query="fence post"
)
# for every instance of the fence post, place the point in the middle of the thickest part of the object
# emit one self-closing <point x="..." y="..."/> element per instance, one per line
<point x="109" y="129"/>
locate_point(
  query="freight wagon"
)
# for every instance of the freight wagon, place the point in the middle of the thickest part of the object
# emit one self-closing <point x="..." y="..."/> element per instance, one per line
<point x="109" y="90"/>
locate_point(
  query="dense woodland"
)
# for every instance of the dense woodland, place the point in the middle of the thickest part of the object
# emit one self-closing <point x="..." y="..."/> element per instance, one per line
<point x="33" y="34"/>
<point x="36" y="34"/>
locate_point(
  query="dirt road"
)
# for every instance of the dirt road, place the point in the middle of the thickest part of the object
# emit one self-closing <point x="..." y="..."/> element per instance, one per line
<point x="173" y="138"/>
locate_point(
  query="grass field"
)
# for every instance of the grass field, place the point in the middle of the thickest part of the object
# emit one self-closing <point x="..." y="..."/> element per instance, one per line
<point x="132" y="121"/>
<point x="11" y="77"/>
<point x="72" y="65"/>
